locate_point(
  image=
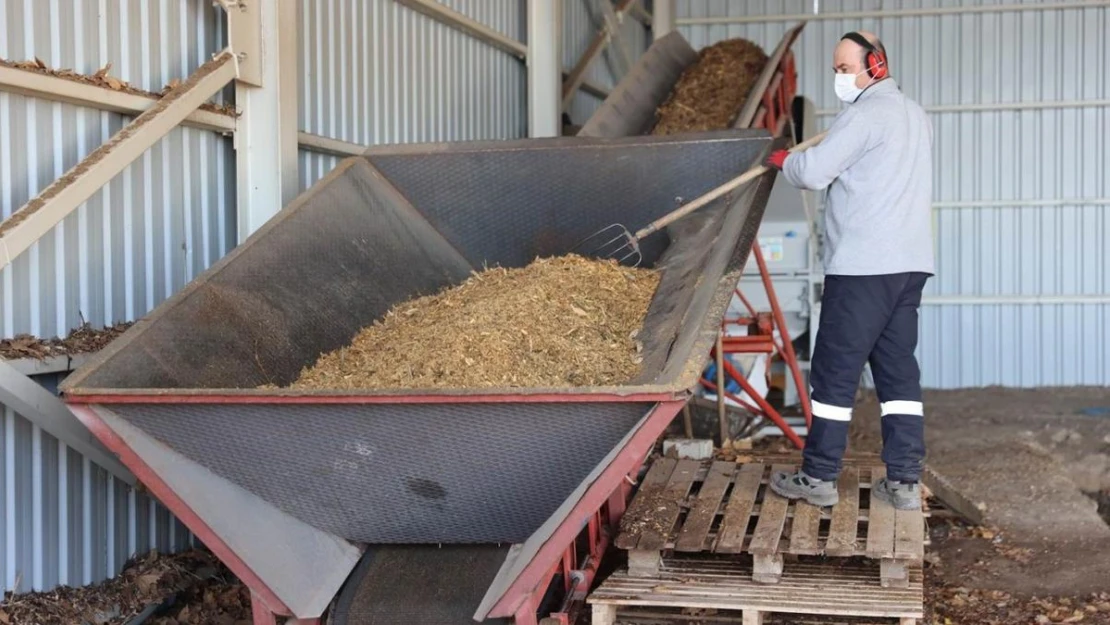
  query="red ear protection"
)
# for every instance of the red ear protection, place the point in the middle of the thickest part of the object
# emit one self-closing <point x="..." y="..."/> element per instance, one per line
<point x="873" y="60"/>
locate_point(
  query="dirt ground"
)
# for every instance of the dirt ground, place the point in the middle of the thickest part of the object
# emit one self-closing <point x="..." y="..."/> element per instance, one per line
<point x="1037" y="460"/>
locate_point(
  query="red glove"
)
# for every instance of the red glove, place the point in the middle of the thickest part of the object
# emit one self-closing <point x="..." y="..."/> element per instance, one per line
<point x="777" y="159"/>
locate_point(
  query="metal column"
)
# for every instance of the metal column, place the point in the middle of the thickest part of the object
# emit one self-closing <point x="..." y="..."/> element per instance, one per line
<point x="662" y="18"/>
<point x="266" y="138"/>
<point x="545" y="19"/>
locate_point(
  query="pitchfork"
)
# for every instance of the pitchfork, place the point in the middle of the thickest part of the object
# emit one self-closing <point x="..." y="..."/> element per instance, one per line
<point x="620" y="242"/>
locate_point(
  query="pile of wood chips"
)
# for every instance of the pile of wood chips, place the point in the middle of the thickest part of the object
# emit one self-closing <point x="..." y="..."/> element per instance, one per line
<point x="559" y="322"/>
<point x="711" y="92"/>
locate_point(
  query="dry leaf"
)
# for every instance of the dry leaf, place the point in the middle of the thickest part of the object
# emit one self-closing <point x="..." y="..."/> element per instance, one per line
<point x="39" y="62"/>
<point x="103" y="71"/>
<point x="4" y="618"/>
<point x="148" y="581"/>
<point x="114" y="83"/>
<point x="174" y="83"/>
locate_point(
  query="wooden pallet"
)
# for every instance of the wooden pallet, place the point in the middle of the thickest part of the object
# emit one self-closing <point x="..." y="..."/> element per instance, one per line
<point x="721" y="507"/>
<point x="844" y="588"/>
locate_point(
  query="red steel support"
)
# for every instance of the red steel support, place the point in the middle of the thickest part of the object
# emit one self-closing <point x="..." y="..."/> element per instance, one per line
<point x="607" y="495"/>
<point x="182" y="511"/>
<point x="261" y="614"/>
<point x="787" y="345"/>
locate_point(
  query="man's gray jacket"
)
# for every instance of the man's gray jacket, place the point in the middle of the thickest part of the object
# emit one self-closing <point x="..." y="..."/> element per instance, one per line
<point x="877" y="163"/>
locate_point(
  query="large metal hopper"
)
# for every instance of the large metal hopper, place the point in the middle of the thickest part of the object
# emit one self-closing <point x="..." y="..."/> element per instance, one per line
<point x="288" y="486"/>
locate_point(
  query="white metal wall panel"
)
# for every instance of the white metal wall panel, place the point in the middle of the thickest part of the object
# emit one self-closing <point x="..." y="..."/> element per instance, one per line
<point x="990" y="165"/>
<point x="156" y="225"/>
<point x="581" y="22"/>
<point x="375" y="72"/>
<point x="143" y="236"/>
<point x="65" y="520"/>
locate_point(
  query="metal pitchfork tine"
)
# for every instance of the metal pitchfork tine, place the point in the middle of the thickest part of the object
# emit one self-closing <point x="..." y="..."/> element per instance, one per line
<point x="624" y="244"/>
<point x="620" y="238"/>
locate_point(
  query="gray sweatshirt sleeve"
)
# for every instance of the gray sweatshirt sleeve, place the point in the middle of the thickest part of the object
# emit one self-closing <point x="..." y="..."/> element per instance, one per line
<point x="818" y="166"/>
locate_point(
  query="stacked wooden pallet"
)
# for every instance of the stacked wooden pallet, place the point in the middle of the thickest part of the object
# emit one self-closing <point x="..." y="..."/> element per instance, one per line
<point x="714" y="514"/>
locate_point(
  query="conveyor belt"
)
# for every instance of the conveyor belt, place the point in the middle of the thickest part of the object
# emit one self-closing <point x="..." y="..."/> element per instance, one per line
<point x="426" y="585"/>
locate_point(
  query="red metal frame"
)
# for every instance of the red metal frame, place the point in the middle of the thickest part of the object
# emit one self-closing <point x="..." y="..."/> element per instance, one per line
<point x="763" y="342"/>
<point x="490" y="398"/>
<point x="262" y="615"/>
<point x="265" y="604"/>
<point x="611" y="489"/>
<point x="579" y="572"/>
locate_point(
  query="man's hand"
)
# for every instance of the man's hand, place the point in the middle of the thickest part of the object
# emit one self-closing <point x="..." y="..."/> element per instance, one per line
<point x="777" y="159"/>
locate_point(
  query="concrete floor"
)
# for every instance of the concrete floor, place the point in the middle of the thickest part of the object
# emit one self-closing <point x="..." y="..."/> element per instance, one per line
<point x="1029" y="456"/>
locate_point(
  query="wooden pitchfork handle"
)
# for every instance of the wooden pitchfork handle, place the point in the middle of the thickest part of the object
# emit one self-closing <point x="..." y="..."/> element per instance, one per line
<point x="743" y="178"/>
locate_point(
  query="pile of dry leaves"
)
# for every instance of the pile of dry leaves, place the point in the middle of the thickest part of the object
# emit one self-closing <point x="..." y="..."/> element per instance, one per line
<point x="194" y="583"/>
<point x="711" y="92"/>
<point x="566" y="321"/>
<point x="955" y="605"/>
<point x="84" y="339"/>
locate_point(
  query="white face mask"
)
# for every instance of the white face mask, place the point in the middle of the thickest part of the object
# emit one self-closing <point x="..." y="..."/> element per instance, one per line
<point x="846" y="89"/>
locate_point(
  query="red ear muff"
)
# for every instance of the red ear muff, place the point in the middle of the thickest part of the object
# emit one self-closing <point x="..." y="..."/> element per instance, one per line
<point x="876" y="65"/>
<point x="874" y="62"/>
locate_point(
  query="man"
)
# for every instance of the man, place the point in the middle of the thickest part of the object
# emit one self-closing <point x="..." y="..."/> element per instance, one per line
<point x="877" y="164"/>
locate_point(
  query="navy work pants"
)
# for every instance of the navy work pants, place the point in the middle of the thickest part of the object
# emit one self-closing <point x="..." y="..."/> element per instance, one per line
<point x="867" y="319"/>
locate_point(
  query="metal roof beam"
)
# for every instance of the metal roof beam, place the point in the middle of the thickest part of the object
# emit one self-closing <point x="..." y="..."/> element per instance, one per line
<point x="454" y="19"/>
<point x="57" y="89"/>
<point x="28" y="224"/>
<point x="891" y="13"/>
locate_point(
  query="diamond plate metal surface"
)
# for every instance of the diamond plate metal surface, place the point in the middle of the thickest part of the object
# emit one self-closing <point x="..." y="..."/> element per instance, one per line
<point x="424" y="585"/>
<point x="400" y="473"/>
<point x="548" y="198"/>
<point x="405" y="221"/>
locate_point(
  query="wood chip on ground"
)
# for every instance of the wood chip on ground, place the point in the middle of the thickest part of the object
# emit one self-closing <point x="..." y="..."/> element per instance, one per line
<point x="559" y="322"/>
<point x="711" y="92"/>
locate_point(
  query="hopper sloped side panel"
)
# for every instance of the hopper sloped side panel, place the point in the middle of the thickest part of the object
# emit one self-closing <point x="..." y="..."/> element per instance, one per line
<point x="508" y="206"/>
<point x="332" y="262"/>
<point x="399" y="473"/>
<point x="630" y="108"/>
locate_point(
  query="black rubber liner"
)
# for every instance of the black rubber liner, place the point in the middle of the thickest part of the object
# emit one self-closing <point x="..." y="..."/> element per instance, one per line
<point x="419" y="585"/>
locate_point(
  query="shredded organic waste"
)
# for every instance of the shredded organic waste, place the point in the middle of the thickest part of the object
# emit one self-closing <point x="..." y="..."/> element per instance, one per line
<point x="558" y="322"/>
<point x="711" y="92"/>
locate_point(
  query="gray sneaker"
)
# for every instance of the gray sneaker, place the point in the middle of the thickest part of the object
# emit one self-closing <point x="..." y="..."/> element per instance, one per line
<point x="901" y="495"/>
<point x="801" y="486"/>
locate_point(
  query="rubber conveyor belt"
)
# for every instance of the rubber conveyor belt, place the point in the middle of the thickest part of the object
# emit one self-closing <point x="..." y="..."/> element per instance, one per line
<point x="429" y="585"/>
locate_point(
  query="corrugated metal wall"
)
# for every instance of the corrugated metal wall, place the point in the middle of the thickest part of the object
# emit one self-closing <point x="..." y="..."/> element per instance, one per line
<point x="66" y="520"/>
<point x="143" y="236"/>
<point x="423" y="81"/>
<point x="989" y="162"/>
<point x="155" y="226"/>
<point x="581" y="22"/>
<point x="375" y="72"/>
